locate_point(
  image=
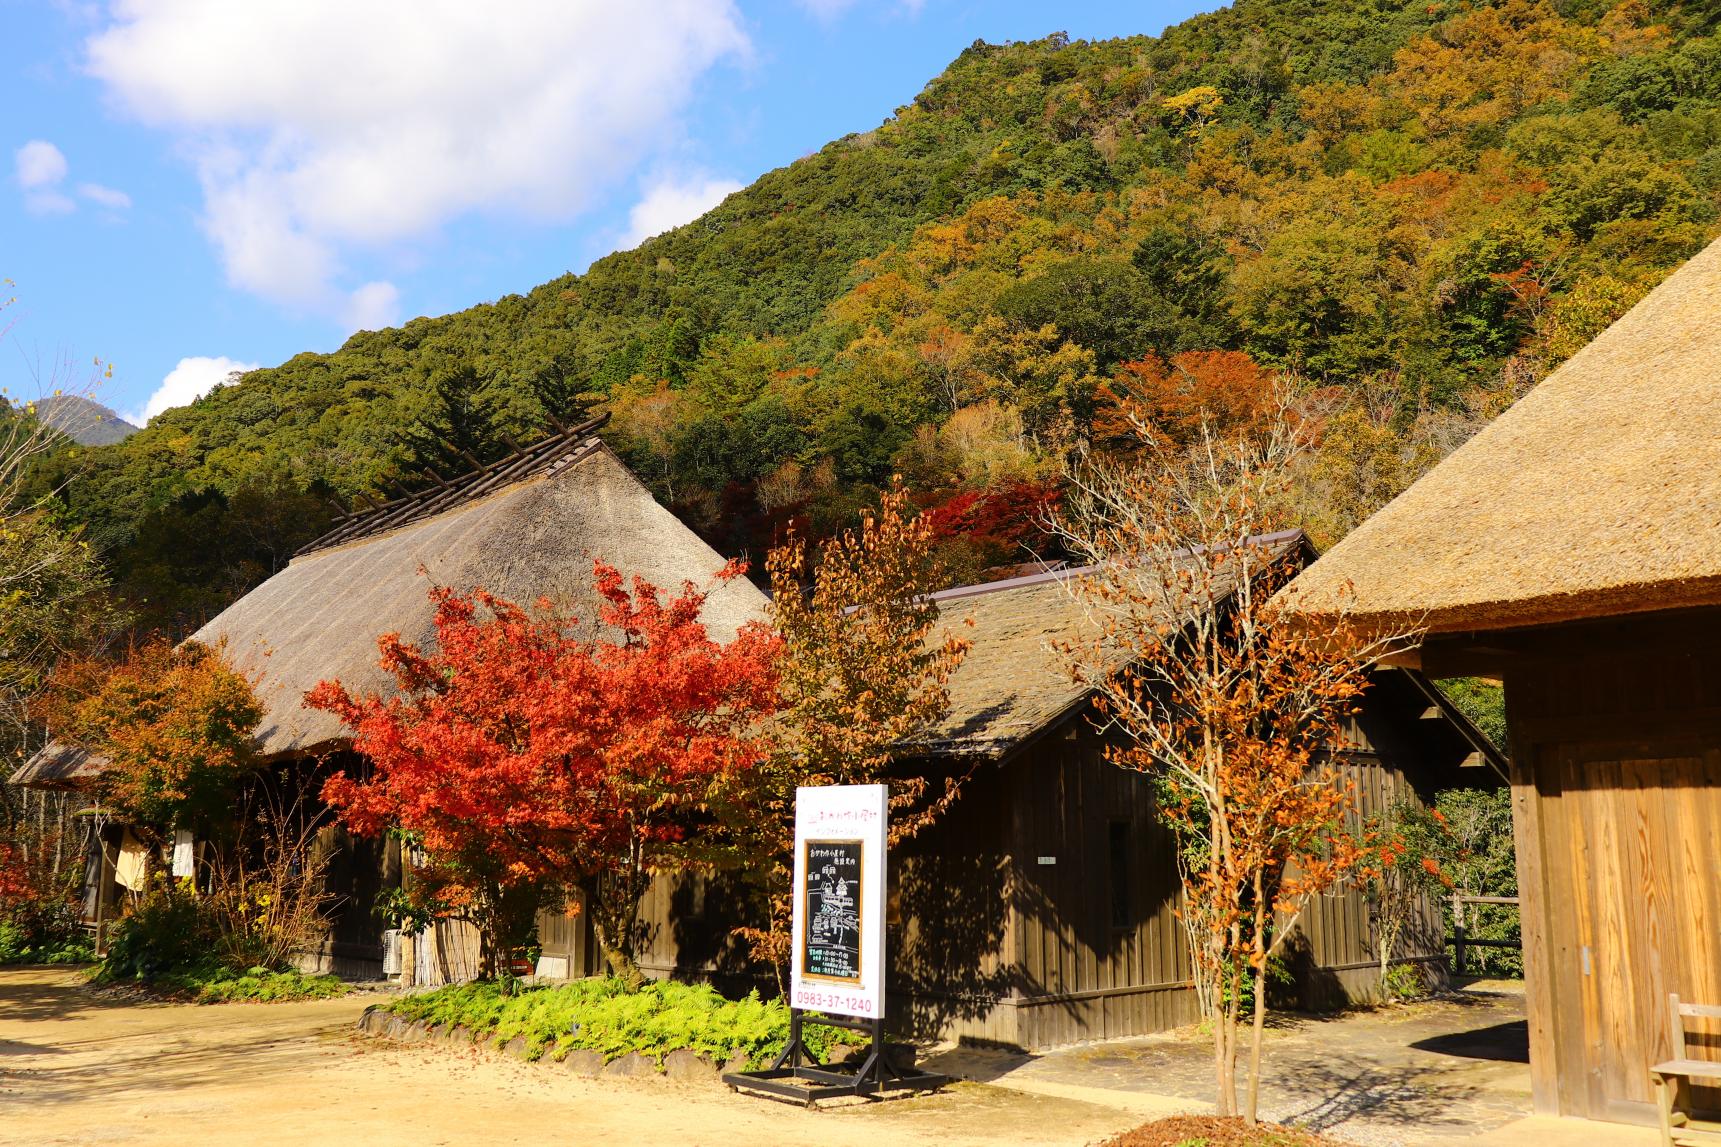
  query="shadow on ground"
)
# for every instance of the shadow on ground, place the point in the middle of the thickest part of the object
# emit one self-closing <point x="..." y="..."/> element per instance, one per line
<point x="1412" y="1074"/>
<point x="57" y="994"/>
<point x="1505" y="1043"/>
<point x="1346" y="1091"/>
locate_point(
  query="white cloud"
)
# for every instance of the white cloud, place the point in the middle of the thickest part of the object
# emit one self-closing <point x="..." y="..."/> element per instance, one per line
<point x="373" y="307"/>
<point x="40" y="164"/>
<point x="320" y="126"/>
<point x="667" y="205"/>
<point x="40" y="168"/>
<point x="110" y="197"/>
<point x="191" y="378"/>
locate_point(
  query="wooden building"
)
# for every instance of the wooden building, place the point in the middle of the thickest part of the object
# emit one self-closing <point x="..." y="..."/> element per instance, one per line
<point x="1573" y="550"/>
<point x="1042" y="908"/>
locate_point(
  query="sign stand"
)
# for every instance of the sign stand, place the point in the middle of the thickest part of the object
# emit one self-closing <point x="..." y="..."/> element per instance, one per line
<point x="876" y="1074"/>
<point x="837" y="949"/>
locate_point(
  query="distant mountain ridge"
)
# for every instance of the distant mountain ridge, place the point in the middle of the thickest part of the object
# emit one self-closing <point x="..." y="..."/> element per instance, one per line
<point x="83" y="420"/>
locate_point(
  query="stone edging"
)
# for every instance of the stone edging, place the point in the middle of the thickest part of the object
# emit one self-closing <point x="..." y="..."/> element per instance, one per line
<point x="680" y="1065"/>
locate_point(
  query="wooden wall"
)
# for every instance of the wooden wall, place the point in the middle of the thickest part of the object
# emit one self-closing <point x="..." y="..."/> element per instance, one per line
<point x="359" y="869"/>
<point x="1021" y="878"/>
<point x="1616" y="732"/>
<point x="1087" y="970"/>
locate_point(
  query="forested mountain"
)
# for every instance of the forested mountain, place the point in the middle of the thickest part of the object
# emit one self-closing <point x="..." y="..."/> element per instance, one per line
<point x="86" y="422"/>
<point x="1415" y="208"/>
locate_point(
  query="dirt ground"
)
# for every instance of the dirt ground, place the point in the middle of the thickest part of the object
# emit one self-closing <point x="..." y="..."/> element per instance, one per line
<point x="78" y="1068"/>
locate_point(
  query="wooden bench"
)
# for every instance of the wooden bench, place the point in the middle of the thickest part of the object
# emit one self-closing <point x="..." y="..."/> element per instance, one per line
<point x="1678" y="1128"/>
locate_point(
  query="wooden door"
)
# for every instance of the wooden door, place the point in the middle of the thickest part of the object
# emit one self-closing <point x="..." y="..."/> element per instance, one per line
<point x="1643" y="837"/>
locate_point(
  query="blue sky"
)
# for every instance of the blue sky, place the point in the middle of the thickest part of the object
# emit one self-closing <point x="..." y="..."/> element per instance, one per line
<point x="195" y="185"/>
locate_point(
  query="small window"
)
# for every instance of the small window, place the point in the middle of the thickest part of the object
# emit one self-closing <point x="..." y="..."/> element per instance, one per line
<point x="1118" y="850"/>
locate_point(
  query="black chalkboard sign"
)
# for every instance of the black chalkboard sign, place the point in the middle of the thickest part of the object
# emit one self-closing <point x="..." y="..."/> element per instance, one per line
<point x="831" y="916"/>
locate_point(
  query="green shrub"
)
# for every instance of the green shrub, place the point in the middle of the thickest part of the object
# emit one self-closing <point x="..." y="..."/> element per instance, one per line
<point x="1406" y="982"/>
<point x="165" y="934"/>
<point x="38" y="913"/>
<point x="602" y="1015"/>
<point x="17" y="947"/>
<point x="13" y="943"/>
<point x="258" y="985"/>
<point x="170" y="942"/>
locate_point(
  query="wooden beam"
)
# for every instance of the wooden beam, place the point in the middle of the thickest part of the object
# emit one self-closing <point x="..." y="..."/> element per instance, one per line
<point x="1541" y="1001"/>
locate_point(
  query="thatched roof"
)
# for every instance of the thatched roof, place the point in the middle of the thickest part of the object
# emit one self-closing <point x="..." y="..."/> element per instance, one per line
<point x="1598" y="493"/>
<point x="1014" y="683"/>
<point x="531" y="533"/>
<point x="59" y="766"/>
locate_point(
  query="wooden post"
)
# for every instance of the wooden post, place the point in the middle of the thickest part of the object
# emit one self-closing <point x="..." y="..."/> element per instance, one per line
<point x="1457" y="934"/>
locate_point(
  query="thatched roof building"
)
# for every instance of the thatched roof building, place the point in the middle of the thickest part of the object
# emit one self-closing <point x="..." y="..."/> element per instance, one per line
<point x="59" y="766"/>
<point x="1015" y="684"/>
<point x="1042" y="908"/>
<point x="526" y="528"/>
<point x="1597" y="494"/>
<point x="1573" y="551"/>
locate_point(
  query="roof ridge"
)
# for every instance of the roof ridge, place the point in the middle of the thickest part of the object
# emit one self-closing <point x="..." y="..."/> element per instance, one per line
<point x="1026" y="580"/>
<point x="548" y="454"/>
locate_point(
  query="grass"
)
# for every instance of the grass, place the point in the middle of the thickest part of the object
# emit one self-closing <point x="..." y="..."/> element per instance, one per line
<point x="604" y="1016"/>
<point x="256" y="986"/>
<point x="214" y="984"/>
<point x="69" y="952"/>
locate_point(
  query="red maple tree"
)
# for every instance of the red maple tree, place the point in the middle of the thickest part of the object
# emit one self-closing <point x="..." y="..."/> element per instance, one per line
<point x="525" y="758"/>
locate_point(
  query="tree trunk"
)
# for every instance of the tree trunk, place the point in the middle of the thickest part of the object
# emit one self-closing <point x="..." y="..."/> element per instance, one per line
<point x="1220" y="1022"/>
<point x="1388" y="941"/>
<point x="613" y="912"/>
<point x="490" y="942"/>
<point x="1249" y="1112"/>
<point x="1228" y="1070"/>
<point x="1260" y="1018"/>
<point x="494" y="934"/>
<point x="1395" y="910"/>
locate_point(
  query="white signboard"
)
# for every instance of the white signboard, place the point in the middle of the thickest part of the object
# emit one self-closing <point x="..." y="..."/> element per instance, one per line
<point x="838" y="956"/>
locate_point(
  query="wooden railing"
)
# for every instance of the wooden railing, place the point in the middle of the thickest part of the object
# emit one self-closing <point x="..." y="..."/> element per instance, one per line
<point x="1461" y="941"/>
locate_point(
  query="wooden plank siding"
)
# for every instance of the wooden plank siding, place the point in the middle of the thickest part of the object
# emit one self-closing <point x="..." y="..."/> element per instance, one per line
<point x="1033" y="837"/>
<point x="1616" y="784"/>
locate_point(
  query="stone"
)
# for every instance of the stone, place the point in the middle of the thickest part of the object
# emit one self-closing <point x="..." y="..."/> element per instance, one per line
<point x="515" y="1047"/>
<point x="631" y="1066"/>
<point x="689" y="1066"/>
<point x="737" y="1062"/>
<point x="583" y="1061"/>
